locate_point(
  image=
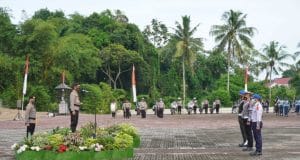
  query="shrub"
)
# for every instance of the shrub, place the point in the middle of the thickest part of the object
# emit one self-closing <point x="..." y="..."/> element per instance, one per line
<point x="122" y="141"/>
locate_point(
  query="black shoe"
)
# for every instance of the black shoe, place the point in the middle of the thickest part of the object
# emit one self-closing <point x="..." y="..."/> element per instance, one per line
<point x="248" y="149"/>
<point x="255" y="153"/>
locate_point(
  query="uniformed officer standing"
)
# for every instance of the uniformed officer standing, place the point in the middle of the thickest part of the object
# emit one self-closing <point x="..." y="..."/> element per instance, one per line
<point x="126" y="107"/>
<point x="30" y="116"/>
<point x="240" y="119"/>
<point x="217" y="105"/>
<point x="246" y="116"/>
<point x="179" y="105"/>
<point x="74" y="106"/>
<point x="195" y="105"/>
<point x="190" y="106"/>
<point x="143" y="107"/>
<point x="113" y="108"/>
<point x="257" y="124"/>
<point x="173" y="107"/>
<point x="205" y="106"/>
<point x="297" y="105"/>
<point x="160" y="107"/>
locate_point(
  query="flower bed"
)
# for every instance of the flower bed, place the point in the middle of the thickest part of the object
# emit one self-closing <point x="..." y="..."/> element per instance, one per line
<point x="114" y="142"/>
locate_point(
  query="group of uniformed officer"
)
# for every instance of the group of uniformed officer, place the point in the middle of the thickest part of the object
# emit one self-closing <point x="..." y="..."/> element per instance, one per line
<point x="250" y="112"/>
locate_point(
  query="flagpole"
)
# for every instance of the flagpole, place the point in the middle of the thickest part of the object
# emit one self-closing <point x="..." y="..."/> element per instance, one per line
<point x="246" y="79"/>
<point x="25" y="84"/>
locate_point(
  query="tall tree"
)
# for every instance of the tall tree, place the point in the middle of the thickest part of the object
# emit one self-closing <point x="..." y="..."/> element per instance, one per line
<point x="233" y="34"/>
<point x="117" y="60"/>
<point x="272" y="60"/>
<point x="186" y="47"/>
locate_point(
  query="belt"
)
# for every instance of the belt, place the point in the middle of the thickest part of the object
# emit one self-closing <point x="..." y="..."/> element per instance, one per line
<point x="77" y="105"/>
<point x="31" y="118"/>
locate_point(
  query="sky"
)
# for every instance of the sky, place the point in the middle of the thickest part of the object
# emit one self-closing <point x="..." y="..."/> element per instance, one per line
<point x="277" y="20"/>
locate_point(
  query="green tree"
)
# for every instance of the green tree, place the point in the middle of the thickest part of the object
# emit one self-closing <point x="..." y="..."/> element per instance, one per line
<point x="272" y="60"/>
<point x="186" y="47"/>
<point x="233" y="34"/>
<point x="117" y="60"/>
<point x="7" y="32"/>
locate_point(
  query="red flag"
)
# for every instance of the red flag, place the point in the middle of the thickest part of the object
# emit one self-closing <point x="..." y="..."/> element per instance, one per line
<point x="133" y="83"/>
<point x="26" y="74"/>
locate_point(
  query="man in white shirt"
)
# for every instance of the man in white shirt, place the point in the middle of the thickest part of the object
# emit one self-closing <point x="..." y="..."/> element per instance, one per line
<point x="256" y="125"/>
<point x="113" y="108"/>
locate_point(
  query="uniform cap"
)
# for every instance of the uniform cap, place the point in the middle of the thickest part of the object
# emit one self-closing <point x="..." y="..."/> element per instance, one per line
<point x="256" y="96"/>
<point x="242" y="92"/>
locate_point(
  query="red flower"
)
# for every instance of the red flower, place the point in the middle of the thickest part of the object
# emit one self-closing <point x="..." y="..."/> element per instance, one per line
<point x="62" y="148"/>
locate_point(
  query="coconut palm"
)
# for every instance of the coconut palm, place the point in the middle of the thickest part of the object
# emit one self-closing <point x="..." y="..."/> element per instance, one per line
<point x="186" y="47"/>
<point x="272" y="60"/>
<point x="233" y="35"/>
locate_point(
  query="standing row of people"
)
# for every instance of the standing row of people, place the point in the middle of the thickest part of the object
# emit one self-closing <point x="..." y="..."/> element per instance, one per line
<point x="250" y="112"/>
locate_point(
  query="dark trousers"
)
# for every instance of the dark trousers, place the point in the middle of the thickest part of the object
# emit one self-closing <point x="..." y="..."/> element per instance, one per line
<point x="74" y="121"/>
<point x="195" y="109"/>
<point x="297" y="109"/>
<point x="127" y="113"/>
<point x="242" y="127"/>
<point x="257" y="137"/>
<point x="113" y="114"/>
<point x="143" y="113"/>
<point x="248" y="133"/>
<point x="205" y="109"/>
<point x="30" y="129"/>
<point x="217" y="108"/>
<point x="179" y="109"/>
<point x="160" y="113"/>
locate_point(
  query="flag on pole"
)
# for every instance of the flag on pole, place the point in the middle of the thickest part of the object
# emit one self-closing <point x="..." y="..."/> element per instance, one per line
<point x="246" y="79"/>
<point x="133" y="83"/>
<point x="26" y="74"/>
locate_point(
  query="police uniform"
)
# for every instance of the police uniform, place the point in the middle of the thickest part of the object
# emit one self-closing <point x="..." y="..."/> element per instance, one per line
<point x="217" y="105"/>
<point x="143" y="107"/>
<point x="74" y="107"/>
<point x="30" y="118"/>
<point x="205" y="106"/>
<point x="179" y="105"/>
<point x="195" y="106"/>
<point x="160" y="107"/>
<point x="256" y="125"/>
<point x="240" y="119"/>
<point x="113" y="108"/>
<point x="126" y="107"/>
<point x="190" y="106"/>
<point x="246" y="116"/>
<point x="173" y="107"/>
<point x="297" y="105"/>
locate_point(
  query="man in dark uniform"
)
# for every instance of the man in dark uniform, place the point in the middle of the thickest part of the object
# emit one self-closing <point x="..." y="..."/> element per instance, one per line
<point x="179" y="105"/>
<point x="160" y="107"/>
<point x="74" y="106"/>
<point x="240" y="119"/>
<point x="30" y="116"/>
<point x="143" y="107"/>
<point x="126" y="107"/>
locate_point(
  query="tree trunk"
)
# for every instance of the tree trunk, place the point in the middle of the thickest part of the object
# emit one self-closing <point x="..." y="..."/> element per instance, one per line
<point x="228" y="63"/>
<point x="183" y="80"/>
<point x="270" y="88"/>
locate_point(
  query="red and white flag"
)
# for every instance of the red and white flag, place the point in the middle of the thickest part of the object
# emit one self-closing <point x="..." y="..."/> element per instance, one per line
<point x="133" y="83"/>
<point x="26" y="74"/>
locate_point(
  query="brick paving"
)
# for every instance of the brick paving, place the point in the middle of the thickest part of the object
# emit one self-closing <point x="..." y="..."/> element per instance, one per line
<point x="181" y="137"/>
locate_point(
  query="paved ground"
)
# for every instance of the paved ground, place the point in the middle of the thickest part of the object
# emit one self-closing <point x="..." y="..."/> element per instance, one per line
<point x="207" y="137"/>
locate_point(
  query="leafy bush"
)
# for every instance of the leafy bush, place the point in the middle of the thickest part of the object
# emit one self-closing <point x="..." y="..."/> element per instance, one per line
<point x="43" y="98"/>
<point x="128" y="129"/>
<point x="87" y="130"/>
<point x="40" y="139"/>
<point x="55" y="140"/>
<point x="122" y="141"/>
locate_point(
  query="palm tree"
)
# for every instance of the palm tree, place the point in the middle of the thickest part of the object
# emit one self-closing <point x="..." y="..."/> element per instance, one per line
<point x="186" y="46"/>
<point x="272" y="60"/>
<point x="233" y="35"/>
